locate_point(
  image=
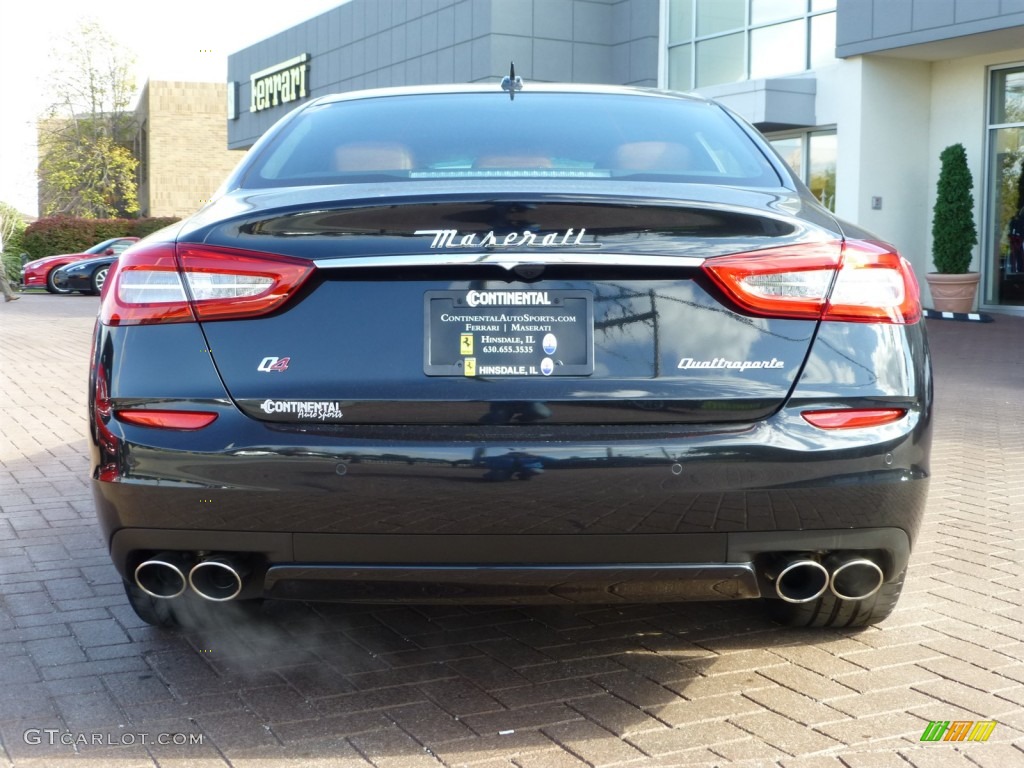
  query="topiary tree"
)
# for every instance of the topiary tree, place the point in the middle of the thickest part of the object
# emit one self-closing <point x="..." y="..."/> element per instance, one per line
<point x="1020" y="188"/>
<point x="953" y="231"/>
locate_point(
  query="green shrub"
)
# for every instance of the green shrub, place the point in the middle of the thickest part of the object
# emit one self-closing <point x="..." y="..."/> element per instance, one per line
<point x="953" y="231"/>
<point x="145" y="227"/>
<point x="47" y="237"/>
<point x="63" y="234"/>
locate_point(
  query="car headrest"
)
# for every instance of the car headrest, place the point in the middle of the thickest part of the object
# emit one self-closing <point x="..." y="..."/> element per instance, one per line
<point x="666" y="156"/>
<point x="372" y="156"/>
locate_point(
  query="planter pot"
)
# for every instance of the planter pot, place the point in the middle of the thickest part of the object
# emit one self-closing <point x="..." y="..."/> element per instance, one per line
<point x="953" y="293"/>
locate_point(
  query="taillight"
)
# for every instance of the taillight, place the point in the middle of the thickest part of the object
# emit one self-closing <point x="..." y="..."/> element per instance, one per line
<point x="165" y="283"/>
<point x="855" y="281"/>
<point x="876" y="284"/>
<point x="779" y="282"/>
<point x="161" y="419"/>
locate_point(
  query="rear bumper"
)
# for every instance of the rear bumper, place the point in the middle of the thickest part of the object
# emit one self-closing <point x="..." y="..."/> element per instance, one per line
<point x="513" y="569"/>
<point x="780" y="474"/>
<point x="678" y="514"/>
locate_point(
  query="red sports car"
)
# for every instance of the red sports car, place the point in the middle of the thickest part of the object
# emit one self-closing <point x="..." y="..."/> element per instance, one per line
<point x="40" y="272"/>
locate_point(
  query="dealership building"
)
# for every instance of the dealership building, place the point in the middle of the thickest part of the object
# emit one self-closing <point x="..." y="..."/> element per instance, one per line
<point x="860" y="96"/>
<point x="180" y="146"/>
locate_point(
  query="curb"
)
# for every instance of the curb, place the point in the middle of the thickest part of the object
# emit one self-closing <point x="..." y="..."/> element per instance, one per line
<point x="976" y="317"/>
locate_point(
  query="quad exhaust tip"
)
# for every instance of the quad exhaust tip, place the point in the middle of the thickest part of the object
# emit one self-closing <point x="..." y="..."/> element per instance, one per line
<point x="856" y="579"/>
<point x="217" y="578"/>
<point x="801" y="581"/>
<point x="162" y="576"/>
<point x="848" y="577"/>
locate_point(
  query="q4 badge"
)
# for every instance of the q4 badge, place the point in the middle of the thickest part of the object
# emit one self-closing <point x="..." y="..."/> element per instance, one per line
<point x="272" y="364"/>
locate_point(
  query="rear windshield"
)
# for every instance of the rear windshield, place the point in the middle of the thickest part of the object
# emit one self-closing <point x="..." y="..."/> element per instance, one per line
<point x="487" y="135"/>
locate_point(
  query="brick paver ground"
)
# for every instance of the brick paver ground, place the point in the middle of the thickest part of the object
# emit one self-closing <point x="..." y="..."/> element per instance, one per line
<point x="697" y="684"/>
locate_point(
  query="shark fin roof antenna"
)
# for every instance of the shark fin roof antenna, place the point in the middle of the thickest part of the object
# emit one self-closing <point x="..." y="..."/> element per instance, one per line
<point x="511" y="82"/>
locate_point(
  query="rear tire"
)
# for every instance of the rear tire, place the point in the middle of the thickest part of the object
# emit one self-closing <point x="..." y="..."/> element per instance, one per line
<point x="150" y="609"/>
<point x="189" y="610"/>
<point x="831" y="611"/>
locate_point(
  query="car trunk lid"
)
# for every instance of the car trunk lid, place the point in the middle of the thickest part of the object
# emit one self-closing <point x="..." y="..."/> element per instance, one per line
<point x="512" y="310"/>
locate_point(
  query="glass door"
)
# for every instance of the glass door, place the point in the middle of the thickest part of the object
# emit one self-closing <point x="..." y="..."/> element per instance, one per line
<point x="812" y="156"/>
<point x="1004" y="241"/>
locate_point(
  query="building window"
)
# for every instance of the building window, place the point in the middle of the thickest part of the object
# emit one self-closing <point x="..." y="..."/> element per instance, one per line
<point x="812" y="156"/>
<point x="714" y="17"/>
<point x="778" y="49"/>
<point x="1004" y="244"/>
<point x="142" y="153"/>
<point x="711" y="42"/>
<point x="720" y="60"/>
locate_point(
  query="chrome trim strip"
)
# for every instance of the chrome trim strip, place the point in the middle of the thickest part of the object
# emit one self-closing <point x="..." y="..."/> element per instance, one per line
<point x="509" y="260"/>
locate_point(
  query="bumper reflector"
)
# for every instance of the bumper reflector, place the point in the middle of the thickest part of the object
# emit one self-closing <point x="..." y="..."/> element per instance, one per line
<point x="186" y="420"/>
<point x="852" y="418"/>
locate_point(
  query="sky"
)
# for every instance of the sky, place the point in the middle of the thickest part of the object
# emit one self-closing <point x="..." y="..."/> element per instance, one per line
<point x="176" y="40"/>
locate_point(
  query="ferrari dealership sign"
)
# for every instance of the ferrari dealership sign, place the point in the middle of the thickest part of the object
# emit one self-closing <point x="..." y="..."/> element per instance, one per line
<point x="279" y="84"/>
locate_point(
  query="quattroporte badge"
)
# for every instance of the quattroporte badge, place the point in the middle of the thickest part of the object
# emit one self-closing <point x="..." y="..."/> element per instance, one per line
<point x="721" y="363"/>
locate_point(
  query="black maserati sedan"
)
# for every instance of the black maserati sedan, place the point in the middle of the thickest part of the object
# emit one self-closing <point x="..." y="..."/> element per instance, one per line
<point x="512" y="344"/>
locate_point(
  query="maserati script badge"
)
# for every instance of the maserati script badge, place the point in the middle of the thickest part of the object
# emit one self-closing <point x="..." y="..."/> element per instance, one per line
<point x="452" y="238"/>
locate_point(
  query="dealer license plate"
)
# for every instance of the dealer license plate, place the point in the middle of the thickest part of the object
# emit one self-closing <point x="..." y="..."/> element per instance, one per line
<point x="486" y="333"/>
